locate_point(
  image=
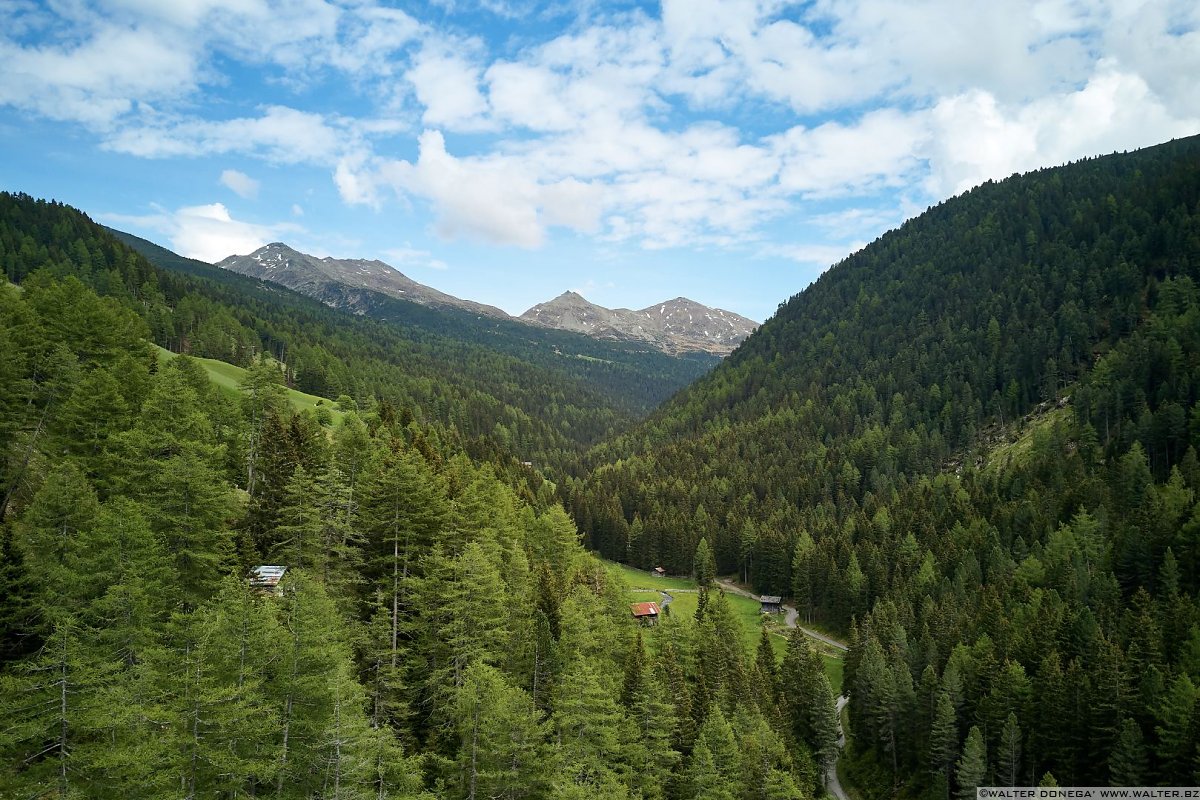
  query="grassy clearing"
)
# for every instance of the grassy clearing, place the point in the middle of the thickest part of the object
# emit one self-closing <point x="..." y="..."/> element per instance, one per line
<point x="644" y="587"/>
<point x="640" y="579"/>
<point x="228" y="377"/>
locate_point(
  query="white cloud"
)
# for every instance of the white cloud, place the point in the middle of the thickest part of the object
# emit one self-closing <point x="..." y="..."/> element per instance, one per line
<point x="207" y="232"/>
<point x="691" y="130"/>
<point x="821" y="256"/>
<point x="974" y="137"/>
<point x="297" y="210"/>
<point x="279" y="135"/>
<point x="96" y="80"/>
<point x="240" y="183"/>
<point x="447" y="85"/>
<point x="497" y="200"/>
<point x="879" y="150"/>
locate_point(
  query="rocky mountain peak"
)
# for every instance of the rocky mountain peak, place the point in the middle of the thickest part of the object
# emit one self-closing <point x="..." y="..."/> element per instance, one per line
<point x="341" y="281"/>
<point x="676" y="326"/>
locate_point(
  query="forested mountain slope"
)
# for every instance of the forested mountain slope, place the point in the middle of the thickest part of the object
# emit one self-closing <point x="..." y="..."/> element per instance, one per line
<point x="540" y="371"/>
<point x="439" y="631"/>
<point x="852" y="453"/>
<point x="631" y="377"/>
<point x="538" y="399"/>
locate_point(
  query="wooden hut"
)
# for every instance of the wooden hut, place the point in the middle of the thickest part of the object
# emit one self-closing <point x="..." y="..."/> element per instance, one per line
<point x="265" y="579"/>
<point x="645" y="613"/>
<point x="771" y="603"/>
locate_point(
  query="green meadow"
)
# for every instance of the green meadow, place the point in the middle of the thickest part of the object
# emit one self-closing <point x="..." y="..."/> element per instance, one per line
<point x="644" y="587"/>
<point x="228" y="377"/>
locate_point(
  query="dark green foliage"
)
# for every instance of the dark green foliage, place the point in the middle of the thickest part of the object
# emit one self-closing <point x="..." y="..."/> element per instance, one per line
<point x="971" y="769"/>
<point x="891" y="448"/>
<point x="972" y="444"/>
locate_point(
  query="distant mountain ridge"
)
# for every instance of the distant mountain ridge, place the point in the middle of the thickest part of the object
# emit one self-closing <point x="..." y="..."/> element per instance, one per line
<point x="316" y="277"/>
<point x="677" y="325"/>
<point x="674" y="327"/>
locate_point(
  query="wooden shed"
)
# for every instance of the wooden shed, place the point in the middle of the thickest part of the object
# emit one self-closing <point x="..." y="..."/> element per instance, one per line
<point x="265" y="579"/>
<point x="771" y="603"/>
<point x="659" y="572"/>
<point x="645" y="613"/>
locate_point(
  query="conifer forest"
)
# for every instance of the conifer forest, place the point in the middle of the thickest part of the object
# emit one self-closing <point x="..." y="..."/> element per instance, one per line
<point x="967" y="453"/>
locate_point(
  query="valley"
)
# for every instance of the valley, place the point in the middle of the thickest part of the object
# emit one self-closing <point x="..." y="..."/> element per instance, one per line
<point x="964" y="461"/>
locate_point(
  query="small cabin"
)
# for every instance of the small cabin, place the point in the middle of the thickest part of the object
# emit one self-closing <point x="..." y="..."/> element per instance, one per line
<point x="771" y="603"/>
<point x="659" y="572"/>
<point x="645" y="613"/>
<point x="265" y="579"/>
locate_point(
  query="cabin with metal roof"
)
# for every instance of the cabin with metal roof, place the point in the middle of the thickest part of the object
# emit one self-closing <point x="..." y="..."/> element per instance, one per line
<point x="771" y="603"/>
<point x="645" y="613"/>
<point x="265" y="579"/>
<point x="659" y="572"/>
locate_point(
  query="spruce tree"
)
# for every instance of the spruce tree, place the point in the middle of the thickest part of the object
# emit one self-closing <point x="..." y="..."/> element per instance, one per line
<point x="703" y="565"/>
<point x="1008" y="756"/>
<point x="971" y="769"/>
<point x="943" y="738"/>
<point x="1127" y="764"/>
<point x="587" y="719"/>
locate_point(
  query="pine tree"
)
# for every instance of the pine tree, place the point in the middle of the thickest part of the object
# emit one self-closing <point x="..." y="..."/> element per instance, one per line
<point x="588" y="722"/>
<point x="1127" y="765"/>
<point x="766" y="765"/>
<point x="1174" y="716"/>
<point x="798" y="685"/>
<point x="765" y="678"/>
<point x="298" y="539"/>
<point x="212" y="675"/>
<point x="388" y="708"/>
<point x="545" y="663"/>
<point x="650" y="724"/>
<point x="502" y="751"/>
<point x="48" y="533"/>
<point x="403" y="509"/>
<point x="264" y="396"/>
<point x="703" y="565"/>
<point x="971" y="769"/>
<point x="825" y="726"/>
<point x="634" y="681"/>
<point x="802" y="575"/>
<point x="51" y="715"/>
<point x="1008" y="757"/>
<point x="716" y="737"/>
<point x="704" y="781"/>
<point x="303" y="692"/>
<point x="943" y="738"/>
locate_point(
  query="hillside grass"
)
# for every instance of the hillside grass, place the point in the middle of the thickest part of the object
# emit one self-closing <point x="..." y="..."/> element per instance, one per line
<point x="1015" y="451"/>
<point x="640" y="579"/>
<point x="644" y="587"/>
<point x="228" y="377"/>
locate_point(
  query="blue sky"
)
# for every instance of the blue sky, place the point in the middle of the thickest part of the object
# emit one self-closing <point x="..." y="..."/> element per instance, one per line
<point x="505" y="151"/>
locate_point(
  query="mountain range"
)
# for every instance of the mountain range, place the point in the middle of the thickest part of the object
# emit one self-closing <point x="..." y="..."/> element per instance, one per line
<point x="677" y="325"/>
<point x="674" y="326"/>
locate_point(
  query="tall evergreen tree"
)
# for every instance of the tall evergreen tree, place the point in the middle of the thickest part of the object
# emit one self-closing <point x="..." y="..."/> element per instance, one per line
<point x="972" y="767"/>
